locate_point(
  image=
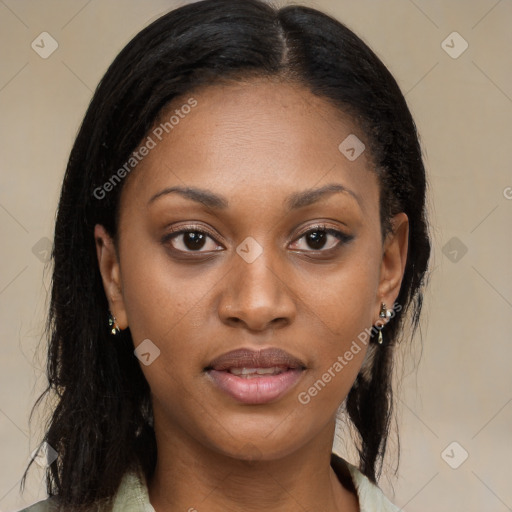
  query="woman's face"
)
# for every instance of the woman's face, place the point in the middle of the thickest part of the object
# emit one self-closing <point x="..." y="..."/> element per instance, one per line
<point x="247" y="229"/>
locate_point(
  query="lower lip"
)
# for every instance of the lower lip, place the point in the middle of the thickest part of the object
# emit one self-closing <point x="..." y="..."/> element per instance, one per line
<point x="258" y="390"/>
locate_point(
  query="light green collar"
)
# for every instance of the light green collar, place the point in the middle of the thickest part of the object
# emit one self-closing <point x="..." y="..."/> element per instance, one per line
<point x="132" y="495"/>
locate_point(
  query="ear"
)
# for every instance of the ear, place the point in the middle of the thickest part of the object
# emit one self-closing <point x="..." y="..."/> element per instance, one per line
<point x="110" y="274"/>
<point x="394" y="258"/>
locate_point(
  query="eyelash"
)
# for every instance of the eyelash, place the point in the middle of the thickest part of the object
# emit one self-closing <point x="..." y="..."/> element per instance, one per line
<point x="340" y="235"/>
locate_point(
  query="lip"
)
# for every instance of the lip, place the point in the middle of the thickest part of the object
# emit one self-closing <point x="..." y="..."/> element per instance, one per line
<point x="257" y="389"/>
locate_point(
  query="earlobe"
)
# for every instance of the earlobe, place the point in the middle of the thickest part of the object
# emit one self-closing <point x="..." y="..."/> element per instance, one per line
<point x="394" y="259"/>
<point x="110" y="273"/>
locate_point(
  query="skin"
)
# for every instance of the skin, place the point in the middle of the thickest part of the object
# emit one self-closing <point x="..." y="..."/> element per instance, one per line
<point x="255" y="144"/>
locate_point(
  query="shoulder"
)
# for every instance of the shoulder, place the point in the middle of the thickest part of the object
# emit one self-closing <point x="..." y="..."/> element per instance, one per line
<point x="48" y="505"/>
<point x="371" y="498"/>
<point x="132" y="496"/>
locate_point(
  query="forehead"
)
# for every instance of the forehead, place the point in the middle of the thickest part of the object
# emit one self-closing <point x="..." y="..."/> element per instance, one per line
<point x="244" y="139"/>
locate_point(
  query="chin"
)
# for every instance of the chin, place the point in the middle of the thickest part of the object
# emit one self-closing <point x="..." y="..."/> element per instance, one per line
<point x="259" y="441"/>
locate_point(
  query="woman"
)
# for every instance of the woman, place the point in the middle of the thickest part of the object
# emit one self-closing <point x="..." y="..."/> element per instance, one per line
<point x="240" y="240"/>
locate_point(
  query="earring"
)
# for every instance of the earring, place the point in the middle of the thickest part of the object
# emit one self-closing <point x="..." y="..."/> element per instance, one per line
<point x="112" y="322"/>
<point x="384" y="312"/>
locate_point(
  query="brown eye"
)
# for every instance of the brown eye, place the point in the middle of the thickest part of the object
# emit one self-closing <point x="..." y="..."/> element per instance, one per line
<point x="194" y="240"/>
<point x="191" y="240"/>
<point x="321" y="238"/>
<point x="316" y="239"/>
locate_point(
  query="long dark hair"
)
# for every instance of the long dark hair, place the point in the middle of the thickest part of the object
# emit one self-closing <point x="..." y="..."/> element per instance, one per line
<point x="101" y="425"/>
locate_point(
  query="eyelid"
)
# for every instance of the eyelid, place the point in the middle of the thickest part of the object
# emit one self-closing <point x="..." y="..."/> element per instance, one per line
<point x="323" y="227"/>
<point x="342" y="237"/>
<point x="189" y="228"/>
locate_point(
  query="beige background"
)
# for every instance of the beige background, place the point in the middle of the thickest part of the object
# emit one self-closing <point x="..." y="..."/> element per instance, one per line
<point x="461" y="391"/>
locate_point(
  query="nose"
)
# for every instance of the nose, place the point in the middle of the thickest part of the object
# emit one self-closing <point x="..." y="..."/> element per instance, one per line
<point x="257" y="296"/>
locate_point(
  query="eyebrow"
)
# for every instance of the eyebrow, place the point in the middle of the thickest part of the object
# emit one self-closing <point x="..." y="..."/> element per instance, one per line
<point x="199" y="195"/>
<point x="308" y="197"/>
<point x="293" y="202"/>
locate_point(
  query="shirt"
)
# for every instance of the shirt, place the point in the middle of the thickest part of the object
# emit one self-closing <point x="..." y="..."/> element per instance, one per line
<point x="132" y="495"/>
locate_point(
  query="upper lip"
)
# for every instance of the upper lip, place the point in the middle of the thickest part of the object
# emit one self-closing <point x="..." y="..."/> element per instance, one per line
<point x="246" y="358"/>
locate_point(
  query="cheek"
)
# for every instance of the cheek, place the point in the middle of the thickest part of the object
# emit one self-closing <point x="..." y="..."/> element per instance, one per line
<point x="159" y="297"/>
<point x="344" y="311"/>
<point x="341" y="340"/>
<point x="342" y="298"/>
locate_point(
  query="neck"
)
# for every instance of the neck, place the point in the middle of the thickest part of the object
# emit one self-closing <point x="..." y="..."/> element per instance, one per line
<point x="189" y="476"/>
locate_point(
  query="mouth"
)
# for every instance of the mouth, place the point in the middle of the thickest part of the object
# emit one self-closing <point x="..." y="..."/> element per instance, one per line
<point x="255" y="377"/>
<point x="254" y="373"/>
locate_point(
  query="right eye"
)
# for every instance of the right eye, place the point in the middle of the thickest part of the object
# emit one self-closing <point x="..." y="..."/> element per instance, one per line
<point x="192" y="240"/>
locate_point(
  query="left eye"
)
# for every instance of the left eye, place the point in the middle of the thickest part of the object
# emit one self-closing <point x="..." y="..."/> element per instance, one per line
<point x="321" y="238"/>
<point x="192" y="241"/>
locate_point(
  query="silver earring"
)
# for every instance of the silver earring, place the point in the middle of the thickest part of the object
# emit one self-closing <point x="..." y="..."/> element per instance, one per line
<point x="384" y="312"/>
<point x="112" y="322"/>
